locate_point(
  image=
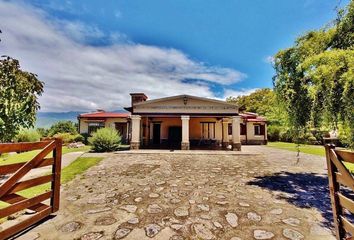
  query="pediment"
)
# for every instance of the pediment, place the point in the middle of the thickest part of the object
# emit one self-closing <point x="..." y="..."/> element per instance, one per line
<point x="185" y="104"/>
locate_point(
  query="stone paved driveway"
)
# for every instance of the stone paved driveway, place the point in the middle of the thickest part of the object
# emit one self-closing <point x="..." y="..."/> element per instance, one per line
<point x="204" y="195"/>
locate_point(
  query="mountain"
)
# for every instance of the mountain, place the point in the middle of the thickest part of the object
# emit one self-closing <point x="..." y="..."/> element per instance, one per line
<point x="46" y="119"/>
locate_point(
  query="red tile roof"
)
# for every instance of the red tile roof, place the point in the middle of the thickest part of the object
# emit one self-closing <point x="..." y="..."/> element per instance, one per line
<point x="252" y="117"/>
<point x="104" y="115"/>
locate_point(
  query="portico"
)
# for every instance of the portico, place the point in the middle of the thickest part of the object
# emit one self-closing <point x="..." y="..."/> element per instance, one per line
<point x="184" y="122"/>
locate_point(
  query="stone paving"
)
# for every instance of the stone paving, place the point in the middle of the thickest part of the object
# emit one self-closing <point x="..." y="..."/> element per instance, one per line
<point x="265" y="195"/>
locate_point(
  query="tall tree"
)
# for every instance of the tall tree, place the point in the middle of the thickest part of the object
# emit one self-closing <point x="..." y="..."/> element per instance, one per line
<point x="19" y="91"/>
<point x="315" y="78"/>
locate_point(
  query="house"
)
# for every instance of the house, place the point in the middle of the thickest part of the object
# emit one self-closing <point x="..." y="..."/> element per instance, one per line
<point x="183" y="121"/>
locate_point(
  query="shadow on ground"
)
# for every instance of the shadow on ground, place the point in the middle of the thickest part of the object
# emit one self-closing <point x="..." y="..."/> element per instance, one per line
<point x="304" y="190"/>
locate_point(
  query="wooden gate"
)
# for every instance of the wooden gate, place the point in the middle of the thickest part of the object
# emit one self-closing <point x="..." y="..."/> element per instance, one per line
<point x="341" y="187"/>
<point x="13" y="184"/>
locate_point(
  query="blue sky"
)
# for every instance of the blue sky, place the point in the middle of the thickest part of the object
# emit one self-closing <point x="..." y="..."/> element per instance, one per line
<point x="228" y="44"/>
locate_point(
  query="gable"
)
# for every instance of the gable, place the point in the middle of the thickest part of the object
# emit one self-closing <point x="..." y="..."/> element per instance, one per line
<point x="185" y="104"/>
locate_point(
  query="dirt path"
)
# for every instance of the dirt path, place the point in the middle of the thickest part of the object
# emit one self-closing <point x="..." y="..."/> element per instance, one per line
<point x="196" y="196"/>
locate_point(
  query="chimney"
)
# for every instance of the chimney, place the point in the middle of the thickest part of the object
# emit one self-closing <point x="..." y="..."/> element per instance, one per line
<point x="137" y="97"/>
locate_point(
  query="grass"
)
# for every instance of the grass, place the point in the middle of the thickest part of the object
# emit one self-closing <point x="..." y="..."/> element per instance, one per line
<point x="26" y="156"/>
<point x="75" y="168"/>
<point x="305" y="148"/>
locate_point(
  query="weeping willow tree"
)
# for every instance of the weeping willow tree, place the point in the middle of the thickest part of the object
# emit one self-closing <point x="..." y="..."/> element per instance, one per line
<point x="315" y="78"/>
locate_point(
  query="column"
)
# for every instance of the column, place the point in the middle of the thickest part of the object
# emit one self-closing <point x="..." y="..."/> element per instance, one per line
<point x="135" y="142"/>
<point x="225" y="132"/>
<point x="236" y="141"/>
<point x="146" y="129"/>
<point x="185" y="133"/>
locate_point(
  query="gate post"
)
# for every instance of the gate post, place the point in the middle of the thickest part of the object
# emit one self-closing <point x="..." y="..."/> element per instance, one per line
<point x="56" y="170"/>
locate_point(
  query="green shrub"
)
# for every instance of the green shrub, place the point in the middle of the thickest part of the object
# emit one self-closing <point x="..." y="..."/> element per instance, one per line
<point x="286" y="135"/>
<point x="65" y="137"/>
<point x="105" y="140"/>
<point x="43" y="132"/>
<point x="79" y="138"/>
<point x="273" y="133"/>
<point x="63" y="127"/>
<point x="28" y="135"/>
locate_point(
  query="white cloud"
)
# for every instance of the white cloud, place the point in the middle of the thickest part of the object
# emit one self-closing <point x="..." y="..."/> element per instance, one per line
<point x="269" y="59"/>
<point x="237" y="93"/>
<point x="82" y="77"/>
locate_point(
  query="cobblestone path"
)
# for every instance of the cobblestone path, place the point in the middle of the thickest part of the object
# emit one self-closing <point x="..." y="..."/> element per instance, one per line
<point x="195" y="196"/>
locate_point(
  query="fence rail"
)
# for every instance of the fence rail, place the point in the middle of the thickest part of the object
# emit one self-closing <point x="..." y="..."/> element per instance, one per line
<point x="341" y="187"/>
<point x="13" y="184"/>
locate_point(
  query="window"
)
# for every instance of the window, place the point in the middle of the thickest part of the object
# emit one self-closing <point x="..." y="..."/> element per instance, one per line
<point x="243" y="129"/>
<point x="208" y="130"/>
<point x="93" y="126"/>
<point x="259" y="129"/>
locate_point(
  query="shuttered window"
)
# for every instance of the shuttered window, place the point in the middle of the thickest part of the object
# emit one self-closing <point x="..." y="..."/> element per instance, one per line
<point x="208" y="130"/>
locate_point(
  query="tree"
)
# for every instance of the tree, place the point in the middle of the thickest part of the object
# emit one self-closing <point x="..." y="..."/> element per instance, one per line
<point x="62" y="127"/>
<point x="263" y="102"/>
<point x="19" y="91"/>
<point x="315" y="78"/>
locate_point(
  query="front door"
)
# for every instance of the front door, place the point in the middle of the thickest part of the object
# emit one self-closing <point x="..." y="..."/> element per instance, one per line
<point x="156" y="133"/>
<point x="122" y="129"/>
<point x="175" y="136"/>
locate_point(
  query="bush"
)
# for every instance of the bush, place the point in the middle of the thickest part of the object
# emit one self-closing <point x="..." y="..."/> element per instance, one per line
<point x="79" y="138"/>
<point x="43" y="132"/>
<point x="28" y="135"/>
<point x="286" y="135"/>
<point x="65" y="137"/>
<point x="62" y="127"/>
<point x="273" y="133"/>
<point x="105" y="140"/>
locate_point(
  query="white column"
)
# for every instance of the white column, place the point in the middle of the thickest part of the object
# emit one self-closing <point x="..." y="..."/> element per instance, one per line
<point x="225" y="132"/>
<point x="135" y="142"/>
<point x="185" y="133"/>
<point x="236" y="140"/>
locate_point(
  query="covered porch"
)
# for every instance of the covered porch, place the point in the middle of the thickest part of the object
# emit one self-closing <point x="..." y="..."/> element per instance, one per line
<point x="181" y="131"/>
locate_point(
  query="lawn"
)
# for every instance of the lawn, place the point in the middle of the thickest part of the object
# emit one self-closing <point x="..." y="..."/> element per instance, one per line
<point x="26" y="156"/>
<point x="305" y="148"/>
<point x="78" y="166"/>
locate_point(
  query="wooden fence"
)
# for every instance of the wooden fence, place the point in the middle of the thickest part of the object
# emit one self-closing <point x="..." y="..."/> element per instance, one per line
<point x="341" y="187"/>
<point x="13" y="184"/>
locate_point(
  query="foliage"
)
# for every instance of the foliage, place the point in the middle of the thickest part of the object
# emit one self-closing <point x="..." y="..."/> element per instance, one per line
<point x="19" y="91"/>
<point x="27" y="135"/>
<point x="63" y="127"/>
<point x="79" y="138"/>
<point x="43" y="132"/>
<point x="65" y="137"/>
<point x="263" y="102"/>
<point x="105" y="140"/>
<point x="315" y="78"/>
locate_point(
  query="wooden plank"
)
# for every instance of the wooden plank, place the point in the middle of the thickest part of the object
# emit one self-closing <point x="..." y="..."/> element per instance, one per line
<point x="11" y="231"/>
<point x="346" y="176"/>
<point x="340" y="180"/>
<point x="345" y="155"/>
<point x="11" y="168"/>
<point x="346" y="202"/>
<point x="11" y="181"/>
<point x="56" y="171"/>
<point x="23" y="204"/>
<point x="22" y="147"/>
<point x="30" y="183"/>
<point x="333" y="189"/>
<point x="15" y="198"/>
<point x="348" y="226"/>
